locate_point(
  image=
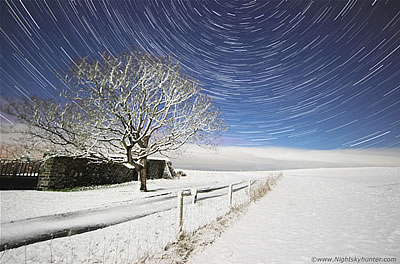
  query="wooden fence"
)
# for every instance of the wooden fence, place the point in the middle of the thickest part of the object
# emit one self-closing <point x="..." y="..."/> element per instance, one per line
<point x="19" y="174"/>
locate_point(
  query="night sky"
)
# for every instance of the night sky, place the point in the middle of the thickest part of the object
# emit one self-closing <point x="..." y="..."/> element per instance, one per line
<point x="301" y="74"/>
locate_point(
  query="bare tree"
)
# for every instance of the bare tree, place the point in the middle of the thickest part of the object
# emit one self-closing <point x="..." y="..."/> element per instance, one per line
<point x="134" y="104"/>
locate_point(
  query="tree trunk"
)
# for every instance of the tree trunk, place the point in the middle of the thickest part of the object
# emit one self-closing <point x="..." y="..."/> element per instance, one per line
<point x="143" y="174"/>
<point x="129" y="154"/>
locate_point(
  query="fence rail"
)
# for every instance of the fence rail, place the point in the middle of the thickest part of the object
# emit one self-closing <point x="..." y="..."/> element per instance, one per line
<point x="137" y="240"/>
<point x="19" y="174"/>
<point x="13" y="168"/>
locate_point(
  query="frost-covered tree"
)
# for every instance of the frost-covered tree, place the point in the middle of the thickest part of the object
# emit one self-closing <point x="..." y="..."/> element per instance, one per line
<point x="134" y="104"/>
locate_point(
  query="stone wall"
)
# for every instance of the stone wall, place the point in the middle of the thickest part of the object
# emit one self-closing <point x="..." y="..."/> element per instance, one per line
<point x="65" y="172"/>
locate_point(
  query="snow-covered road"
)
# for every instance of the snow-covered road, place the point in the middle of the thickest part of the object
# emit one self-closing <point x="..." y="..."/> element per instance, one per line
<point x="29" y="225"/>
<point x="315" y="214"/>
<point x="28" y="231"/>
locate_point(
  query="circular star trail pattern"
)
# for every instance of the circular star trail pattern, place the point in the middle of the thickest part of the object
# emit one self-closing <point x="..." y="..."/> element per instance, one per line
<point x="305" y="74"/>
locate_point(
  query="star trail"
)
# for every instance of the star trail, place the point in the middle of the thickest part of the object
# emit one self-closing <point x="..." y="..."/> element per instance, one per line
<point x="305" y="74"/>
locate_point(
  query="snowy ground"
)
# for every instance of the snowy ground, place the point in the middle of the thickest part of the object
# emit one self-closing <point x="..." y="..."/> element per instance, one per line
<point x="20" y="205"/>
<point x="314" y="214"/>
<point x="128" y="241"/>
<point x="311" y="213"/>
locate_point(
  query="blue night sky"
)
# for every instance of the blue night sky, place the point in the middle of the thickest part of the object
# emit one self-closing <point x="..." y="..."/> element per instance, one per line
<point x="301" y="74"/>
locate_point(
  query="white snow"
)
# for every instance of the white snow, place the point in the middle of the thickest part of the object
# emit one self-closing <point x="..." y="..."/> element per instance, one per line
<point x="129" y="166"/>
<point x="311" y="213"/>
<point x="19" y="205"/>
<point x="317" y="213"/>
<point x="126" y="242"/>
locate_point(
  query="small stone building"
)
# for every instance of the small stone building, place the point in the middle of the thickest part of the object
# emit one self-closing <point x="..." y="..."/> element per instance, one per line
<point x="160" y="169"/>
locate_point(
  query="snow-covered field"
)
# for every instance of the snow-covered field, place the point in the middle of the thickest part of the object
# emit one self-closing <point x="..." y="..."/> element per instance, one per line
<point x="352" y="212"/>
<point x="129" y="240"/>
<point x="19" y="205"/>
<point x="318" y="213"/>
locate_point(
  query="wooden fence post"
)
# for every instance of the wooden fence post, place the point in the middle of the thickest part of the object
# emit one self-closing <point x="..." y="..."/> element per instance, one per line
<point x="230" y="191"/>
<point x="249" y="189"/>
<point x="194" y="195"/>
<point x="180" y="212"/>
